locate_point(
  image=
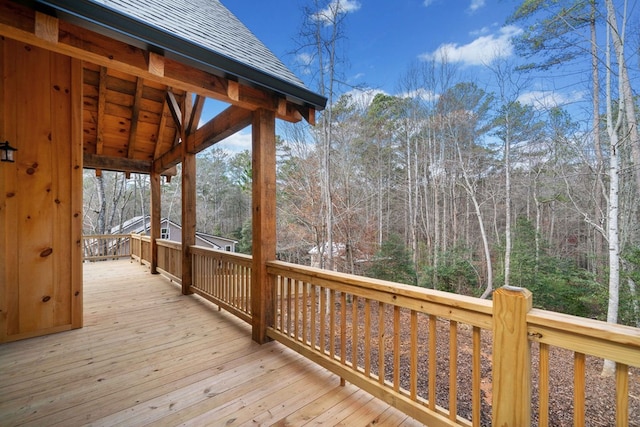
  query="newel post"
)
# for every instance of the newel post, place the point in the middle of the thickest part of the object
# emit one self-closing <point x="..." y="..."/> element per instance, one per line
<point x="511" y="357"/>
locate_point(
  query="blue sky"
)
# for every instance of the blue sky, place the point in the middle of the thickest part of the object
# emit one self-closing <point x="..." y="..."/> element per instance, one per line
<point x="384" y="37"/>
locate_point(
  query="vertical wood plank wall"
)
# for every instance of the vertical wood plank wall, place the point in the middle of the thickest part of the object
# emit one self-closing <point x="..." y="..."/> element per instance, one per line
<point x="41" y="193"/>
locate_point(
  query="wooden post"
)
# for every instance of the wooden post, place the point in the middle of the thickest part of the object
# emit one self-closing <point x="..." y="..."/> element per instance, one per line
<point x="188" y="198"/>
<point x="264" y="221"/>
<point x="511" y="357"/>
<point x="156" y="212"/>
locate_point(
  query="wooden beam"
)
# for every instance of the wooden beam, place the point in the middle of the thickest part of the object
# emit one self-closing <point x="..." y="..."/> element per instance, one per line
<point x="263" y="221"/>
<point x="196" y="113"/>
<point x="161" y="128"/>
<point x="46" y="27"/>
<point x="18" y="22"/>
<point x="156" y="64"/>
<point x="120" y="164"/>
<point x="174" y="108"/>
<point x="225" y="124"/>
<point x="135" y="114"/>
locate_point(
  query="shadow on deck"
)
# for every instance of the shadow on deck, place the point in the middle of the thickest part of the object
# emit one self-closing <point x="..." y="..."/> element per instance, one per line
<point x="149" y="355"/>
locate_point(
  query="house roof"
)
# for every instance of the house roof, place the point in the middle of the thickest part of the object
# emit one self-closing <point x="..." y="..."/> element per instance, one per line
<point x="201" y="33"/>
<point x="137" y="225"/>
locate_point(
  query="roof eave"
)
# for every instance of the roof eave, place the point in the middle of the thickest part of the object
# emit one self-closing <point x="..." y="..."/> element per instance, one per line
<point x="124" y="28"/>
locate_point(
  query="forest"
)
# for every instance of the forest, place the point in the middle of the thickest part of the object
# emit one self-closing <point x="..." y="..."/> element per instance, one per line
<point x="452" y="184"/>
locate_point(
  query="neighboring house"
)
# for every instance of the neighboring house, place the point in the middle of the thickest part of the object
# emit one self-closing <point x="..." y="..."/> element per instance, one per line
<point x="317" y="254"/>
<point x="170" y="230"/>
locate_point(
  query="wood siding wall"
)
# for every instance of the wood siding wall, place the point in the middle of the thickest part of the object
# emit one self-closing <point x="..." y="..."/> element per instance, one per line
<point x="41" y="193"/>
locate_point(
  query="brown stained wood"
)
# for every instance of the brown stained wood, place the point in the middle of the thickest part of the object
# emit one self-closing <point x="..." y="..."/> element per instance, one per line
<point x="121" y="368"/>
<point x="263" y="219"/>
<point x="156" y="64"/>
<point x="18" y="22"/>
<point x="102" y="102"/>
<point x="135" y="113"/>
<point x="46" y="27"/>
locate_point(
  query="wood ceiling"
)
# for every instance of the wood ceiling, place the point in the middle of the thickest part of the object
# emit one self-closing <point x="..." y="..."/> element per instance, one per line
<point x="135" y="100"/>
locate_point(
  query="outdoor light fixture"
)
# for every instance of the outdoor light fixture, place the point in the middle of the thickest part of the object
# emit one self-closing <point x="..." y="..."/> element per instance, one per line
<point x="6" y="152"/>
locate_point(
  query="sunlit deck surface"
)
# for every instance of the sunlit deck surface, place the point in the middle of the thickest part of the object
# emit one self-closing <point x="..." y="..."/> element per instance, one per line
<point x="150" y="356"/>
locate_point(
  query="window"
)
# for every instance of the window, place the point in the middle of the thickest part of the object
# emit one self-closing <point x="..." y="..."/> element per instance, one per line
<point x="227" y="248"/>
<point x="164" y="233"/>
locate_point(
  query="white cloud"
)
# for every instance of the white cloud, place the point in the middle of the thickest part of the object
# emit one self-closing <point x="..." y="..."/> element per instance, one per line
<point x="236" y="143"/>
<point x="481" y="51"/>
<point x="545" y="99"/>
<point x="336" y="7"/>
<point x="475" y="5"/>
<point x="428" y="3"/>
<point x="423" y="94"/>
<point x="362" y="98"/>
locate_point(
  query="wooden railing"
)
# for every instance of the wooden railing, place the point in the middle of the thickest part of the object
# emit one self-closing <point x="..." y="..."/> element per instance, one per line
<point x="377" y="335"/>
<point x="223" y="278"/>
<point x="141" y="248"/>
<point x="170" y="259"/>
<point x="102" y="247"/>
<point x="443" y="359"/>
<point x="585" y="338"/>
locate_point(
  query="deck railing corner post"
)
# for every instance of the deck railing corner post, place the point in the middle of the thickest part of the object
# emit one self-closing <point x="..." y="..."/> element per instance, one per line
<point x="511" y="357"/>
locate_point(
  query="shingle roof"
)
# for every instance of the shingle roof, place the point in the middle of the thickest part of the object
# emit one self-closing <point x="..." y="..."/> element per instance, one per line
<point x="203" y="33"/>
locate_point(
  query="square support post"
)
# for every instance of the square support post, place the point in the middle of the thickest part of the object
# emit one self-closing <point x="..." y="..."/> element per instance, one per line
<point x="511" y="357"/>
<point x="263" y="221"/>
<point x="154" y="179"/>
<point x="188" y="197"/>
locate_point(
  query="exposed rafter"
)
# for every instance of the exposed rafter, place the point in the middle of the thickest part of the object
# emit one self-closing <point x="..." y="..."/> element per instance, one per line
<point x="19" y="22"/>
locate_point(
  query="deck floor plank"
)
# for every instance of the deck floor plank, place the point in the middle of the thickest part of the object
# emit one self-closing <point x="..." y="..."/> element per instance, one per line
<point x="148" y="355"/>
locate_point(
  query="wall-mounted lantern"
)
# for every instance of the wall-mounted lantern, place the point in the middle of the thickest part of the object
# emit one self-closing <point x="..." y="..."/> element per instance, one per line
<point x="6" y="152"/>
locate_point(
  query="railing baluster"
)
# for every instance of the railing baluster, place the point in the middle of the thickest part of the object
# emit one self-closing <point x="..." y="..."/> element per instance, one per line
<point x="476" y="372"/>
<point x="367" y="338"/>
<point x="354" y="332"/>
<point x="343" y="328"/>
<point x="413" y="363"/>
<point x="323" y="318"/>
<point x="312" y="315"/>
<point x="433" y="353"/>
<point x="396" y="348"/>
<point x="453" y="370"/>
<point x="280" y="284"/>
<point x="332" y="323"/>
<point x="296" y="308"/>
<point x="305" y="304"/>
<point x="578" y="389"/>
<point x="381" y="342"/>
<point x="543" y="387"/>
<point x="622" y="395"/>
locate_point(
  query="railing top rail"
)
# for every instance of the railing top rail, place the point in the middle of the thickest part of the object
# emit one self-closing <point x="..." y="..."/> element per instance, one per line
<point x="169" y="244"/>
<point x="474" y="311"/>
<point x="588" y="336"/>
<point x="239" y="258"/>
<point x="106" y="236"/>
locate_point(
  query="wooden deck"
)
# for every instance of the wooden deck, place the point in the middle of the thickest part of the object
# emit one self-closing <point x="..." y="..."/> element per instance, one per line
<point x="149" y="356"/>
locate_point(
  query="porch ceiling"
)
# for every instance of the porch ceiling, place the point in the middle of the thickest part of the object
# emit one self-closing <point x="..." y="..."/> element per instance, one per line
<point x="142" y="79"/>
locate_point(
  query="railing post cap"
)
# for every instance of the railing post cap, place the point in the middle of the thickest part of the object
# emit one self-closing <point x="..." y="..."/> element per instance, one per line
<point x="513" y="290"/>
